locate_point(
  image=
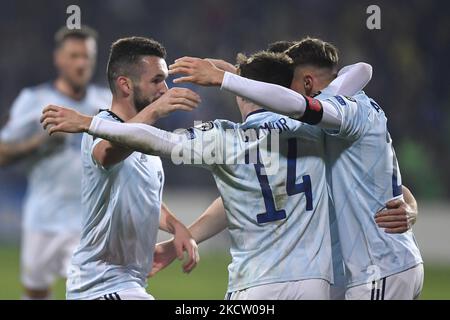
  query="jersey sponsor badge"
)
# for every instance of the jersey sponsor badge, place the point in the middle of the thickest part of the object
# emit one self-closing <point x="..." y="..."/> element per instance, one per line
<point x="340" y="100"/>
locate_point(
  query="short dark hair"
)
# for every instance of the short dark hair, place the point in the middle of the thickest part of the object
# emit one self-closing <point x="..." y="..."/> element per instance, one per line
<point x="280" y="46"/>
<point x="125" y="55"/>
<point x="316" y="52"/>
<point x="271" y="67"/>
<point x="64" y="33"/>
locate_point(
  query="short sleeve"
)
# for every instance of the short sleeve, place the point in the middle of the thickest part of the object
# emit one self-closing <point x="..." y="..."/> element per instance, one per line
<point x="94" y="141"/>
<point x="354" y="117"/>
<point x="23" y="122"/>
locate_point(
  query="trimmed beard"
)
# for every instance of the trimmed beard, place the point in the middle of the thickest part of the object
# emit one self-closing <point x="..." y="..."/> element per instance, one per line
<point x="140" y="102"/>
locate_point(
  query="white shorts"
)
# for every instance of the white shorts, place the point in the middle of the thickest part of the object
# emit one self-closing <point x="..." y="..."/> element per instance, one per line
<point x="337" y="291"/>
<point x="128" y="294"/>
<point x="309" y="289"/>
<point x="45" y="256"/>
<point x="405" y="285"/>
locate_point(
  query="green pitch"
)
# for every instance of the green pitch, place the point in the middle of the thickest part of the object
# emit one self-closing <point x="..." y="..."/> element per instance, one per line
<point x="207" y="281"/>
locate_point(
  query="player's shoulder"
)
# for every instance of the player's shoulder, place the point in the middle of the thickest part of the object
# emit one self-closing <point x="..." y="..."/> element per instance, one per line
<point x="360" y="102"/>
<point x="224" y="124"/>
<point x="340" y="100"/>
<point x="372" y="103"/>
<point x="39" y="89"/>
<point x="369" y="104"/>
<point x="214" y="125"/>
<point x="29" y="98"/>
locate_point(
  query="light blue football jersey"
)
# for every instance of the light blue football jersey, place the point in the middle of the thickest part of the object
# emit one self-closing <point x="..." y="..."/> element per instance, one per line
<point x="53" y="199"/>
<point x="363" y="174"/>
<point x="277" y="216"/>
<point x="121" y="210"/>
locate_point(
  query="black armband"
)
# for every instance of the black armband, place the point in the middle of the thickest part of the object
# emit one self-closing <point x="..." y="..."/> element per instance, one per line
<point x="313" y="112"/>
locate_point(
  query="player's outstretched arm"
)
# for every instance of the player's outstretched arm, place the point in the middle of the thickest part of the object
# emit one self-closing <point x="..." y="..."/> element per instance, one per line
<point x="60" y="119"/>
<point x="273" y="97"/>
<point x="108" y="153"/>
<point x="132" y="136"/>
<point x="351" y="79"/>
<point x="210" y="223"/>
<point x="182" y="242"/>
<point x="400" y="215"/>
<point x="286" y="101"/>
<point x="135" y="136"/>
<point x="124" y="138"/>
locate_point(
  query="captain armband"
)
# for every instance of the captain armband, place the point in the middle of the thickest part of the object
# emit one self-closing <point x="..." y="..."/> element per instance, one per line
<point x="313" y="112"/>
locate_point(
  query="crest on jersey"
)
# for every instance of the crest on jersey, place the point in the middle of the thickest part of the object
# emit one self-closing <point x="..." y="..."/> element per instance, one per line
<point x="143" y="158"/>
<point x="350" y="98"/>
<point x="205" y="126"/>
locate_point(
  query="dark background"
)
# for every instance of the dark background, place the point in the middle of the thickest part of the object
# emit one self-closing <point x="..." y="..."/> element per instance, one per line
<point x="410" y="57"/>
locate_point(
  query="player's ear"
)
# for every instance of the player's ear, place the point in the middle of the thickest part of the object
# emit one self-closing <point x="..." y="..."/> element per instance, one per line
<point x="308" y="84"/>
<point x="124" y="85"/>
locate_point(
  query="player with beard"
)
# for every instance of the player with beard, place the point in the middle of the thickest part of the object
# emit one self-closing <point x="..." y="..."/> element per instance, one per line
<point x="122" y="189"/>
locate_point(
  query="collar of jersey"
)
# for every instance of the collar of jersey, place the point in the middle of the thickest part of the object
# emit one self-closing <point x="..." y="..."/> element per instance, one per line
<point x="255" y="112"/>
<point x="112" y="114"/>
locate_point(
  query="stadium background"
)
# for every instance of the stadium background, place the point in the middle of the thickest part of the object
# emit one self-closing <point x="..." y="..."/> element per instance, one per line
<point x="410" y="60"/>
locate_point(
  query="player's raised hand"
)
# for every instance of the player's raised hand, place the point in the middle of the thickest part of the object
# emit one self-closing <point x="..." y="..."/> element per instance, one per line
<point x="398" y="217"/>
<point x="199" y="71"/>
<point x="60" y="119"/>
<point x="175" y="99"/>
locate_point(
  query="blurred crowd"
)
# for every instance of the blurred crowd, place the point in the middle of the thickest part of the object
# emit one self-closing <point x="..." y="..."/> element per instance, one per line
<point x="409" y="54"/>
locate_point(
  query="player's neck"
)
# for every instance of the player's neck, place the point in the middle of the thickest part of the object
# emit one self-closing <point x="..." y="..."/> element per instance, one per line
<point x="123" y="108"/>
<point x="69" y="90"/>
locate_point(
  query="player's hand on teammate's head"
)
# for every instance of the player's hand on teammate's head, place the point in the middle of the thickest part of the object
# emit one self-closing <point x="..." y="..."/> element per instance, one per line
<point x="398" y="217"/>
<point x="199" y="71"/>
<point x="60" y="119"/>
<point x="223" y="65"/>
<point x="175" y="99"/>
